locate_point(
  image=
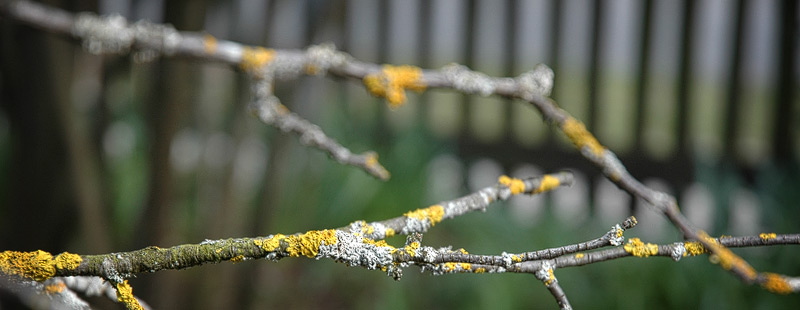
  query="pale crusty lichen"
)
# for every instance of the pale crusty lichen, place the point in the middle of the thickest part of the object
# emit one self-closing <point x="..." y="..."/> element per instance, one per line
<point x="392" y="81"/>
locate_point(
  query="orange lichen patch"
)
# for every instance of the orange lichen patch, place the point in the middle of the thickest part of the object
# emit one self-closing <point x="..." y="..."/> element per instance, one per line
<point x="392" y="82"/>
<point x="55" y="288"/>
<point x="311" y="69"/>
<point x="237" y="258"/>
<point x="68" y="261"/>
<point x="125" y="296"/>
<point x="254" y="58"/>
<point x="281" y="109"/>
<point x="776" y="283"/>
<point x="767" y="236"/>
<point x="579" y="255"/>
<point x="694" y="248"/>
<point x="516" y="186"/>
<point x="727" y="259"/>
<point x="210" y="44"/>
<point x="270" y="245"/>
<point x="480" y="270"/>
<point x="577" y="133"/>
<point x="434" y="214"/>
<point x="308" y="244"/>
<point x="548" y="182"/>
<point x="37" y="265"/>
<point x="639" y="248"/>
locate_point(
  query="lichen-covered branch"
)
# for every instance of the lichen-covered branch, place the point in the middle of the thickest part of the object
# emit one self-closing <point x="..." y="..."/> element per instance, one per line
<point x="361" y="243"/>
<point x="147" y="41"/>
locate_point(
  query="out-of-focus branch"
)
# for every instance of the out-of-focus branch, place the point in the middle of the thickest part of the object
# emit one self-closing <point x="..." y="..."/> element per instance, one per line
<point x="114" y="35"/>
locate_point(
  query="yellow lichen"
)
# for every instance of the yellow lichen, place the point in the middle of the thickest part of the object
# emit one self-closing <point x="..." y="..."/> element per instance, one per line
<point x="411" y="249"/>
<point x="448" y="267"/>
<point x="639" y="248"/>
<point x="548" y="182"/>
<point x="434" y="214"/>
<point x="463" y="251"/>
<point x="480" y="270"/>
<point x="392" y="82"/>
<point x="466" y="266"/>
<point x="516" y="186"/>
<point x="580" y="137"/>
<point x="767" y="236"/>
<point x="776" y="283"/>
<point x="727" y="259"/>
<point x="125" y="296"/>
<point x="579" y="255"/>
<point x="55" y="288"/>
<point x="371" y="160"/>
<point x="237" y="258"/>
<point x="311" y="69"/>
<point x="380" y="243"/>
<point x="550" y="277"/>
<point x="281" y="109"/>
<point x="37" y="265"/>
<point x="516" y="258"/>
<point x="389" y="232"/>
<point x="694" y="248"/>
<point x="368" y="229"/>
<point x="210" y="44"/>
<point x="253" y="58"/>
<point x="619" y="232"/>
<point x="308" y="244"/>
<point x="270" y="244"/>
<point x="68" y="261"/>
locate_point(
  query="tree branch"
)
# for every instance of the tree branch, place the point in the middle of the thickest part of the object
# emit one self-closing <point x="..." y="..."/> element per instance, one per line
<point x="360" y="244"/>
